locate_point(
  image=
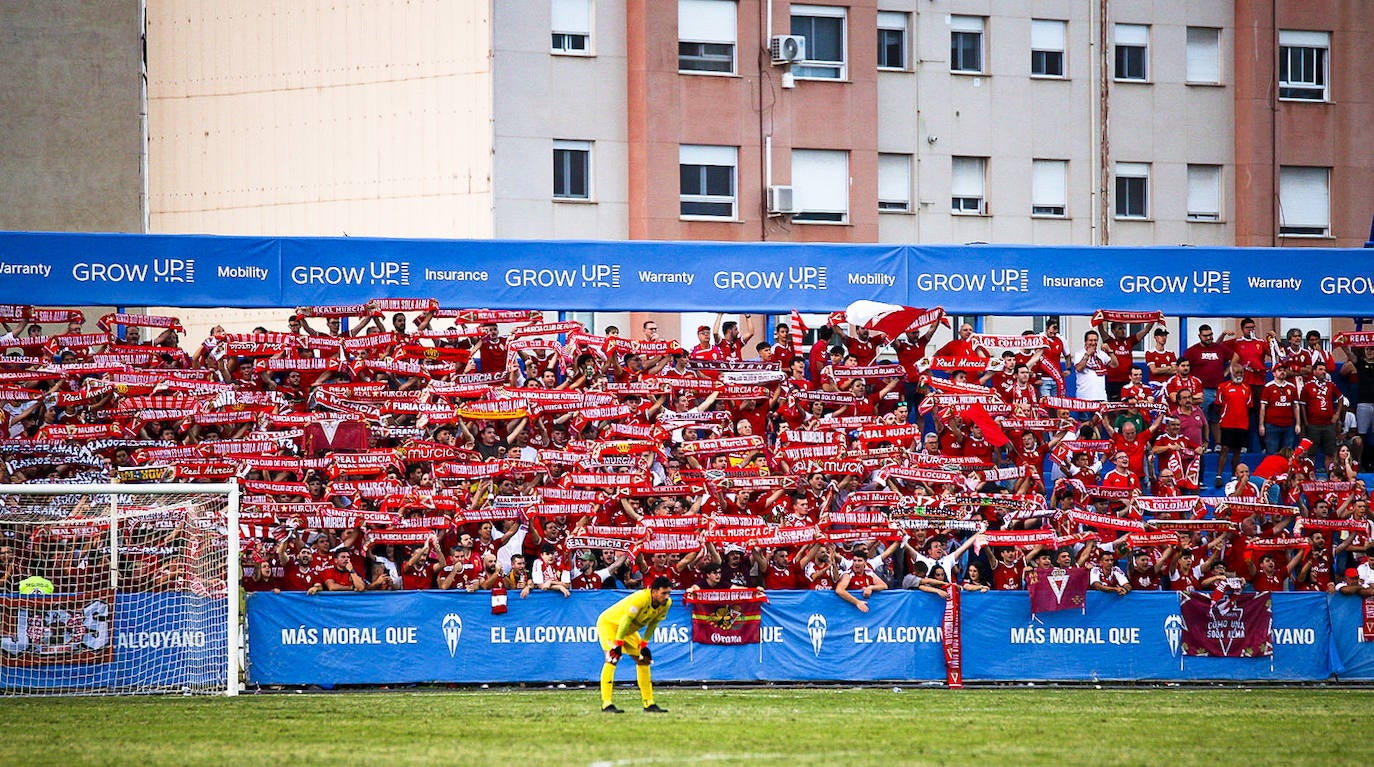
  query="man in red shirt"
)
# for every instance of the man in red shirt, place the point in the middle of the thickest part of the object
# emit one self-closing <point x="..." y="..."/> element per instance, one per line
<point x="1176" y="455"/>
<point x="341" y="577"/>
<point x="962" y="345"/>
<point x="779" y="571"/>
<point x="781" y="351"/>
<point x="818" y="357"/>
<point x="1236" y="402"/>
<point x="493" y="350"/>
<point x="1250" y="354"/>
<point x="1052" y="359"/>
<point x="1321" y="410"/>
<point x="1209" y="359"/>
<point x="1121" y="474"/>
<point x="1183" y="380"/>
<point x="859" y="345"/>
<point x="1007" y="569"/>
<point x="911" y="348"/>
<point x="731" y="346"/>
<point x="1161" y="361"/>
<point x="1278" y="411"/>
<point x="1118" y="341"/>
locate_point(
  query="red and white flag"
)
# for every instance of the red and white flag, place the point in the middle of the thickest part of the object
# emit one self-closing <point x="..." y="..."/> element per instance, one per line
<point x="797" y="329"/>
<point x="889" y="319"/>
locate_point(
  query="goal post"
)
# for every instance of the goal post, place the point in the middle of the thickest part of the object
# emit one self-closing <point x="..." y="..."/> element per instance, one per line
<point x="119" y="589"/>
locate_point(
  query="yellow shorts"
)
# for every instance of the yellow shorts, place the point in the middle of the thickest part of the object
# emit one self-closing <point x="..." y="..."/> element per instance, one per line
<point x="606" y="630"/>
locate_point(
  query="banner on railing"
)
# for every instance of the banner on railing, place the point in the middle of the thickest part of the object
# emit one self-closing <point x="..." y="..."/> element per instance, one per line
<point x="100" y="641"/>
<point x="58" y="269"/>
<point x="434" y="636"/>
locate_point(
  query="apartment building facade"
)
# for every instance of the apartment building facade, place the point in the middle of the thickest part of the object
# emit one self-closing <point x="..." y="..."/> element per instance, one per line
<point x="1054" y="121"/>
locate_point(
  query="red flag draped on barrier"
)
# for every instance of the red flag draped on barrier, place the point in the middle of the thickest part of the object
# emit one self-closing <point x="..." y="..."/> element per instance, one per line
<point x="1057" y="588"/>
<point x="953" y="642"/>
<point x="726" y="616"/>
<point x="1226" y="624"/>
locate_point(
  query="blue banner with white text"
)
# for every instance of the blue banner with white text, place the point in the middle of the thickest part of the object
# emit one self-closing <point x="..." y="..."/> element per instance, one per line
<point x="443" y="636"/>
<point x="1354" y="657"/>
<point x="435" y="636"/>
<point x="90" y="642"/>
<point x="65" y="269"/>
<point x="1135" y="637"/>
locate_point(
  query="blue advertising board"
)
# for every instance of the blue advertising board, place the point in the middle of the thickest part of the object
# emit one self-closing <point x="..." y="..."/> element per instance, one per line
<point x="443" y="636"/>
<point x="203" y="271"/>
<point x="436" y="636"/>
<point x="1136" y="637"/>
<point x="1353" y="658"/>
<point x="140" y="641"/>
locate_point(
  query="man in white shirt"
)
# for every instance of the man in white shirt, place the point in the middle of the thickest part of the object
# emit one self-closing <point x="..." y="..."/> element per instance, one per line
<point x="1090" y="365"/>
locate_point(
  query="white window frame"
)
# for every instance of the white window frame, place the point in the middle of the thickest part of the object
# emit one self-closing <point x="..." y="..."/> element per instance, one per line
<point x="812" y="68"/>
<point x="1129" y="37"/>
<point x="1304" y="201"/>
<point x="972" y="26"/>
<point x="1050" y="36"/>
<point x="1131" y="171"/>
<point x="1203" y="61"/>
<point x="1314" y="83"/>
<point x="1204" y="193"/>
<point x="968" y="186"/>
<point x="570" y="22"/>
<point x="1049" y="188"/>
<point x="703" y="23"/>
<point x="895" y="21"/>
<point x="704" y="155"/>
<point x="820" y="186"/>
<point x="571" y="145"/>
<point x="894" y="183"/>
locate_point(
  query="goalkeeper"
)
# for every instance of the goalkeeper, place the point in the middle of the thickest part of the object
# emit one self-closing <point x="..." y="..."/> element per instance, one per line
<point x="619" y="627"/>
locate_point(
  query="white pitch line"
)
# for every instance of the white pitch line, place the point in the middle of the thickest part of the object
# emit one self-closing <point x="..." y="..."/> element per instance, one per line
<point x="734" y="757"/>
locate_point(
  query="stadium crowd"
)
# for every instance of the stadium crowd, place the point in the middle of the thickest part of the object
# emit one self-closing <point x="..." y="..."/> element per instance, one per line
<point x="376" y="450"/>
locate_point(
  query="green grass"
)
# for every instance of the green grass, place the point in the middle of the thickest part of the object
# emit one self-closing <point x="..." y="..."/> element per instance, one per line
<point x="756" y="726"/>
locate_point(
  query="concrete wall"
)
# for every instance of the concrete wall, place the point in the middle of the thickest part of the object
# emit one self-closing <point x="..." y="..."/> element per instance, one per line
<point x="320" y="117"/>
<point x="70" y="157"/>
<point x="542" y="97"/>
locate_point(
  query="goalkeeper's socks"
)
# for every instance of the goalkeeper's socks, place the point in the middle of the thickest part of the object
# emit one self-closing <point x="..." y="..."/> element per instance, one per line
<point x="607" y="684"/>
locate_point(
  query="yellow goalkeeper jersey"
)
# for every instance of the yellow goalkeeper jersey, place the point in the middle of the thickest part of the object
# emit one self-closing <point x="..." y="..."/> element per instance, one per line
<point x="635" y="612"/>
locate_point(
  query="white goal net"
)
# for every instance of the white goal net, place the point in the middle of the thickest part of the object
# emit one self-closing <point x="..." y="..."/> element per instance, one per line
<point x="118" y="589"/>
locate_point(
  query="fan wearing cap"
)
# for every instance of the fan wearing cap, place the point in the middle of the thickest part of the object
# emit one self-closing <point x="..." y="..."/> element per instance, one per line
<point x="625" y="628"/>
<point x="589" y="576"/>
<point x="705" y="348"/>
<point x="1350" y="585"/>
<point x="1161" y="361"/>
<point x="735" y="567"/>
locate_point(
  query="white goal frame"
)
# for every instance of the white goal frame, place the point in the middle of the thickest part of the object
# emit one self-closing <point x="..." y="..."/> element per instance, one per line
<point x="230" y="491"/>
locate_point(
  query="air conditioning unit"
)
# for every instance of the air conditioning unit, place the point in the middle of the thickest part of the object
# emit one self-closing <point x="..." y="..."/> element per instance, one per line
<point x="780" y="200"/>
<point x="787" y="48"/>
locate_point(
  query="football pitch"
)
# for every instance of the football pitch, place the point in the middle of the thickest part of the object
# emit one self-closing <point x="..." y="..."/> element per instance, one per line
<point x="746" y="726"/>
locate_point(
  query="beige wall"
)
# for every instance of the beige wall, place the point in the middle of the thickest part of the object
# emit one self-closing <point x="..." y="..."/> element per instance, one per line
<point x="70" y="157"/>
<point x="320" y="117"/>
